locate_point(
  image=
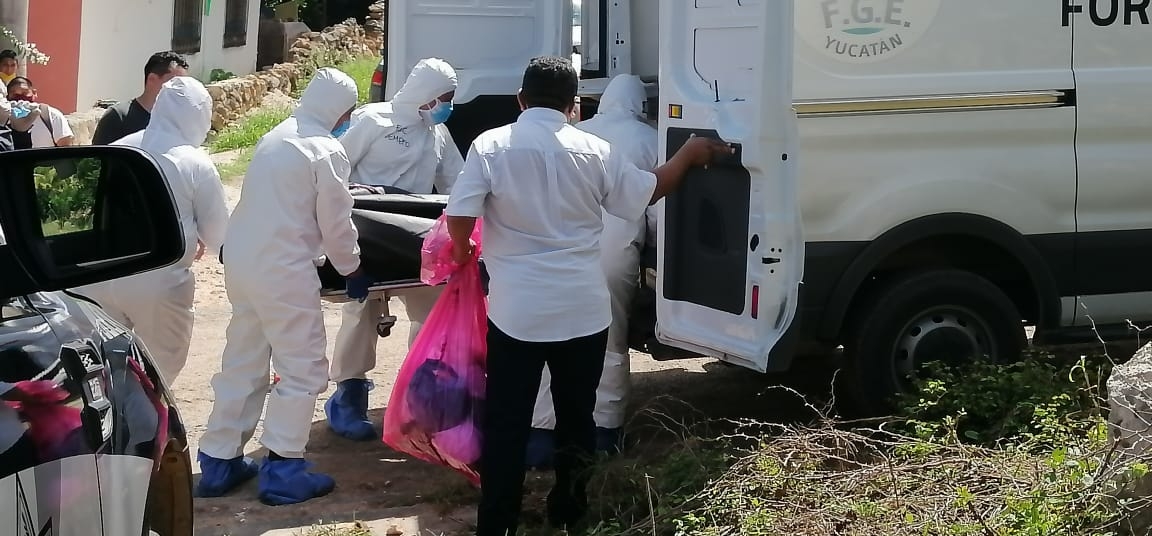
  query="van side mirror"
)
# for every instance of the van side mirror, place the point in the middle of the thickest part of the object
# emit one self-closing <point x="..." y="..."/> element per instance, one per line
<point x="73" y="216"/>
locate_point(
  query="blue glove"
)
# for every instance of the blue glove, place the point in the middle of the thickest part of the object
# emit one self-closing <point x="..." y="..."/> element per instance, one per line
<point x="357" y="287"/>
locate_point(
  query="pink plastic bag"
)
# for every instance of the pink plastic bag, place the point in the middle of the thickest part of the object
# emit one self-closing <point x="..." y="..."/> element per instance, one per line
<point x="436" y="263"/>
<point x="54" y="427"/>
<point x="158" y="405"/>
<point x="435" y="410"/>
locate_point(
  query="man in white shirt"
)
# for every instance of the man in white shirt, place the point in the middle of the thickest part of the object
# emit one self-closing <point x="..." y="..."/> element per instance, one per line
<point x="401" y="143"/>
<point x="542" y="187"/>
<point x="51" y="130"/>
<point x="619" y="121"/>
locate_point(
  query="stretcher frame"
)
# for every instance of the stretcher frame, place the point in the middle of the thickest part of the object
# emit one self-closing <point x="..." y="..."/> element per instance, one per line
<point x="375" y="292"/>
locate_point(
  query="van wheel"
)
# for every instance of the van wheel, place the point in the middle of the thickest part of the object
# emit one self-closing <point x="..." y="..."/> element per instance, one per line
<point x="941" y="315"/>
<point x="169" y="510"/>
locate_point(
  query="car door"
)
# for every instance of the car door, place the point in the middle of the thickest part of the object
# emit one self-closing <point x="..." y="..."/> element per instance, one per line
<point x="54" y="490"/>
<point x="731" y="254"/>
<point x="488" y="42"/>
<point x="1113" y="74"/>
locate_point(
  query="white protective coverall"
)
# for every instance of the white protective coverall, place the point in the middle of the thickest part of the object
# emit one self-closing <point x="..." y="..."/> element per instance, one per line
<point x="294" y="207"/>
<point x="619" y="121"/>
<point x="157" y="305"/>
<point x="393" y="144"/>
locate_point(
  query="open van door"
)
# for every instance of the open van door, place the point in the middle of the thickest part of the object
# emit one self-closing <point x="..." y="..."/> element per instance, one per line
<point x="488" y="42"/>
<point x="731" y="250"/>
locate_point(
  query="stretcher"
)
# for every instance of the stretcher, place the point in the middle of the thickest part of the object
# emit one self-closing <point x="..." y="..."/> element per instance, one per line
<point x="391" y="229"/>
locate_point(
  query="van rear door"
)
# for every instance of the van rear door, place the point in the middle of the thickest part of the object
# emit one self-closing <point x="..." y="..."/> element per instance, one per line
<point x="488" y="42"/>
<point x="731" y="255"/>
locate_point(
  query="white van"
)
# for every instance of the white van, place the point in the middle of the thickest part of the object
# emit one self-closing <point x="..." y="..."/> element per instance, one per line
<point x="961" y="170"/>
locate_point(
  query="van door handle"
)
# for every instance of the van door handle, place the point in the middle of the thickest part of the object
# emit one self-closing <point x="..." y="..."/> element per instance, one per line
<point x="770" y="260"/>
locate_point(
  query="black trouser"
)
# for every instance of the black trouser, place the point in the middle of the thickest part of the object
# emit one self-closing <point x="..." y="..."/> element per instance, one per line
<point x="514" y="371"/>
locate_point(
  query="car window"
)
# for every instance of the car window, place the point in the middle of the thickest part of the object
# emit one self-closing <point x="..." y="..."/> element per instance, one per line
<point x="14" y="308"/>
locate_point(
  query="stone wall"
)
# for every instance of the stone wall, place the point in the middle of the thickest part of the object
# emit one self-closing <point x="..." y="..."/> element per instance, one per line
<point x="233" y="98"/>
<point x="237" y="96"/>
<point x="84" y="125"/>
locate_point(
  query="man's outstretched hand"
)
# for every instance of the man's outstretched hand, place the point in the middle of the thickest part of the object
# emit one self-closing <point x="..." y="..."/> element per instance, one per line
<point x="699" y="151"/>
<point x="696" y="152"/>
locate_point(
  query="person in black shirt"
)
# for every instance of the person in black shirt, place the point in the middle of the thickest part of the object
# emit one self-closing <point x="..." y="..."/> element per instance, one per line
<point x="132" y="116"/>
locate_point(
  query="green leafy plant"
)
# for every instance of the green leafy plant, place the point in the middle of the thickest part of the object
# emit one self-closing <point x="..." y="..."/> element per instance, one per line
<point x="66" y="199"/>
<point x="220" y="74"/>
<point x="1041" y="402"/>
<point x="984" y="449"/>
<point x="273" y="3"/>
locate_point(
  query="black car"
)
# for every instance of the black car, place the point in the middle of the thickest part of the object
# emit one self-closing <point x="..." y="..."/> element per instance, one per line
<point x="91" y="441"/>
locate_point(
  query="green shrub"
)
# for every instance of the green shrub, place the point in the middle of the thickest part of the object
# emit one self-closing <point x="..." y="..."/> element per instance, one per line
<point x="66" y="199"/>
<point x="220" y="74"/>
<point x="984" y="450"/>
<point x="1041" y="402"/>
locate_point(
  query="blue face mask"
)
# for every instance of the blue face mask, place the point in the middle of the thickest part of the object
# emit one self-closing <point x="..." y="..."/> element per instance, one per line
<point x="341" y="129"/>
<point x="439" y="114"/>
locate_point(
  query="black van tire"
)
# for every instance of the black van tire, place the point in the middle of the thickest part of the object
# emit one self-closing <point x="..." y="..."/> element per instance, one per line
<point x="920" y="317"/>
<point x="169" y="511"/>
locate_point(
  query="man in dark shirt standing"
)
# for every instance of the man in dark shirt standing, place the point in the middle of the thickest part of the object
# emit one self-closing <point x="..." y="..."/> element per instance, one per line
<point x="132" y="116"/>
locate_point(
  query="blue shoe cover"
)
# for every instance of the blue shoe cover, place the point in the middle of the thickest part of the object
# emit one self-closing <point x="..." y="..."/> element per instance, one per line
<point x="289" y="482"/>
<point x="347" y="411"/>
<point x="218" y="477"/>
<point x="541" y="449"/>
<point x="609" y="441"/>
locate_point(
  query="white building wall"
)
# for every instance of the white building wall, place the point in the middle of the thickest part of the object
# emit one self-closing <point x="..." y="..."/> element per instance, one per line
<point x="213" y="55"/>
<point x="117" y="36"/>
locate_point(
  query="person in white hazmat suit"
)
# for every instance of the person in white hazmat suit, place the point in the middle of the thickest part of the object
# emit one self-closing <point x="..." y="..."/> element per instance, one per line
<point x="402" y="143"/>
<point x="294" y="208"/>
<point x="619" y="120"/>
<point x="157" y="305"/>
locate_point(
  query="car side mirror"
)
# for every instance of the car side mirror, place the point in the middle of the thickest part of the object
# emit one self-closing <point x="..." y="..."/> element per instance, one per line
<point x="73" y="216"/>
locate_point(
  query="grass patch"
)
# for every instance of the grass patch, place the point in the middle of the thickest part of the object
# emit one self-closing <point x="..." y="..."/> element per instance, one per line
<point x="983" y="450"/>
<point x="236" y="168"/>
<point x="361" y="70"/>
<point x="245" y="133"/>
<point x="337" y="530"/>
<point x="248" y="130"/>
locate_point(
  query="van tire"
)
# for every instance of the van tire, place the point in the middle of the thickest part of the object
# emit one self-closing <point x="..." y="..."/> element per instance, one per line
<point x="919" y="317"/>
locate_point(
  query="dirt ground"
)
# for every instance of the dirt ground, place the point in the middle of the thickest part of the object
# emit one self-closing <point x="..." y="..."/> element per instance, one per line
<point x="374" y="482"/>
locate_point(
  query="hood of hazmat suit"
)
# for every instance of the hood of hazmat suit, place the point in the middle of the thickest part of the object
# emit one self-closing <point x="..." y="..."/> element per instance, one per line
<point x="393" y="144"/>
<point x="619" y="120"/>
<point x="294" y="205"/>
<point x="181" y="119"/>
<point x="158" y="304"/>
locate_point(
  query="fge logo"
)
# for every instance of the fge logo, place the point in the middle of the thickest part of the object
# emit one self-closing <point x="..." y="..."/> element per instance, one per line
<point x="864" y="31"/>
<point x="1109" y="12"/>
